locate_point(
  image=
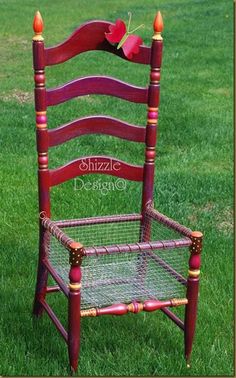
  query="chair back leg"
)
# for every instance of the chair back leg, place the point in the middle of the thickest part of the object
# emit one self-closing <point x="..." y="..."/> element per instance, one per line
<point x="42" y="276"/>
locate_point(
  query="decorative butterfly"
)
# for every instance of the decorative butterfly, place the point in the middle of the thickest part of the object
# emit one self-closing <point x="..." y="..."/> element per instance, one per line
<point x="122" y="36"/>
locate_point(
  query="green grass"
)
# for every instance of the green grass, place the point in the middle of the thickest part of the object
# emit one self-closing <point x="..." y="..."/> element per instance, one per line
<point x="193" y="183"/>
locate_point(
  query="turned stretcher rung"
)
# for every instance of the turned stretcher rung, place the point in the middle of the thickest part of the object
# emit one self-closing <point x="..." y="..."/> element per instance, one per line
<point x="134" y="307"/>
<point x="53" y="289"/>
<point x="56" y="277"/>
<point x="173" y="317"/>
<point x="168" y="268"/>
<point x="54" y="319"/>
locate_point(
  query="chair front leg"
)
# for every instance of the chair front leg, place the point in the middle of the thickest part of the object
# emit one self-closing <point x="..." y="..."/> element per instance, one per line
<point x="192" y="293"/>
<point x="74" y="307"/>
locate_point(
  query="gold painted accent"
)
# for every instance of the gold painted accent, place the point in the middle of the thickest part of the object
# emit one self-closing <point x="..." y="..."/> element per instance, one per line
<point x="150" y="148"/>
<point x="41" y="113"/>
<point x="39" y="85"/>
<point x="130" y="307"/>
<point x="41" y="125"/>
<point x="178" y="301"/>
<point x="140" y="307"/>
<point x="43" y="166"/>
<point x="75" y="246"/>
<point x="42" y="153"/>
<point x="88" y="312"/>
<point x="152" y="121"/>
<point x="152" y="109"/>
<point x="155" y="81"/>
<point x="197" y="234"/>
<point x="157" y="37"/>
<point x="74" y="286"/>
<point x="38" y="37"/>
<point x="194" y="273"/>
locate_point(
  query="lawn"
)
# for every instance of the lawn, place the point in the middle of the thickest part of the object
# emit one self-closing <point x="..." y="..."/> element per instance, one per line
<point x="193" y="182"/>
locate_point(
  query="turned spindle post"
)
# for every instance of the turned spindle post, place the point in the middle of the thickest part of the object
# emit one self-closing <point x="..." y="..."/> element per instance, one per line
<point x="192" y="293"/>
<point x="42" y="148"/>
<point x="151" y="134"/>
<point x="75" y="276"/>
<point x="152" y="112"/>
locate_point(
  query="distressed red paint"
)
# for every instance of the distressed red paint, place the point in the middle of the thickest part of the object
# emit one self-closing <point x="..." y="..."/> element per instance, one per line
<point x="91" y="36"/>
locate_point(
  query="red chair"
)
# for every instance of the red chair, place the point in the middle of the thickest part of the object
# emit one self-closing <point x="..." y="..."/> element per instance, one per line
<point x="109" y="265"/>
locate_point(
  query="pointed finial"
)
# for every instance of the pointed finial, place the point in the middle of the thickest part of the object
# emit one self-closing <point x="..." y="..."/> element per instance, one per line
<point x="38" y="27"/>
<point x="158" y="26"/>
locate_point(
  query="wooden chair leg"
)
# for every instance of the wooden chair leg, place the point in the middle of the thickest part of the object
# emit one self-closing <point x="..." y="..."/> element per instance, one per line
<point x="190" y="316"/>
<point x="192" y="293"/>
<point x="42" y="278"/>
<point x="74" y="317"/>
<point x="40" y="291"/>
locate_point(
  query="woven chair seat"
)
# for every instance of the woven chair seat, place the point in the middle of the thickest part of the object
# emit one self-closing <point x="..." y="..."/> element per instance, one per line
<point x="123" y="277"/>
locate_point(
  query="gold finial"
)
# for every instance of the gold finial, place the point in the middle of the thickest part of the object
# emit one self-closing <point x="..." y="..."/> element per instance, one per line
<point x="158" y="26"/>
<point x="38" y="27"/>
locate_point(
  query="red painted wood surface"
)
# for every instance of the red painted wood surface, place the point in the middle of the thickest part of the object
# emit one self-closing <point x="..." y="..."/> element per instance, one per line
<point x="96" y="125"/>
<point x="103" y="85"/>
<point x="74" y="328"/>
<point x="134" y="307"/>
<point x="152" y="118"/>
<point x="190" y="315"/>
<point x="90" y="36"/>
<point x="56" y="277"/>
<point x="43" y="182"/>
<point x="143" y="246"/>
<point x="170" y="223"/>
<point x="173" y="317"/>
<point x="74" y="300"/>
<point x="98" y="220"/>
<point x="192" y="292"/>
<point x="55" y="319"/>
<point x="95" y="164"/>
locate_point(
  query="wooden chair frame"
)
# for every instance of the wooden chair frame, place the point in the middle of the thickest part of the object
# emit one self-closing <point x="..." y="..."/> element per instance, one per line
<point x="90" y="36"/>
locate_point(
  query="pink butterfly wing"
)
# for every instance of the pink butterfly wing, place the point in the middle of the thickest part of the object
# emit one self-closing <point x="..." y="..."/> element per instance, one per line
<point x="117" y="31"/>
<point x="131" y="45"/>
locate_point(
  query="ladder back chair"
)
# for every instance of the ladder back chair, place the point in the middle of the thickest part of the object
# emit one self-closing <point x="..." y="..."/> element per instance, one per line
<point x="118" y="264"/>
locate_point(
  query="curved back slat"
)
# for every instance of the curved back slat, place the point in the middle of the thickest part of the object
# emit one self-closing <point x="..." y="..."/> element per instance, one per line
<point x="95" y="164"/>
<point x="96" y="125"/>
<point x="103" y="85"/>
<point x="90" y="36"/>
